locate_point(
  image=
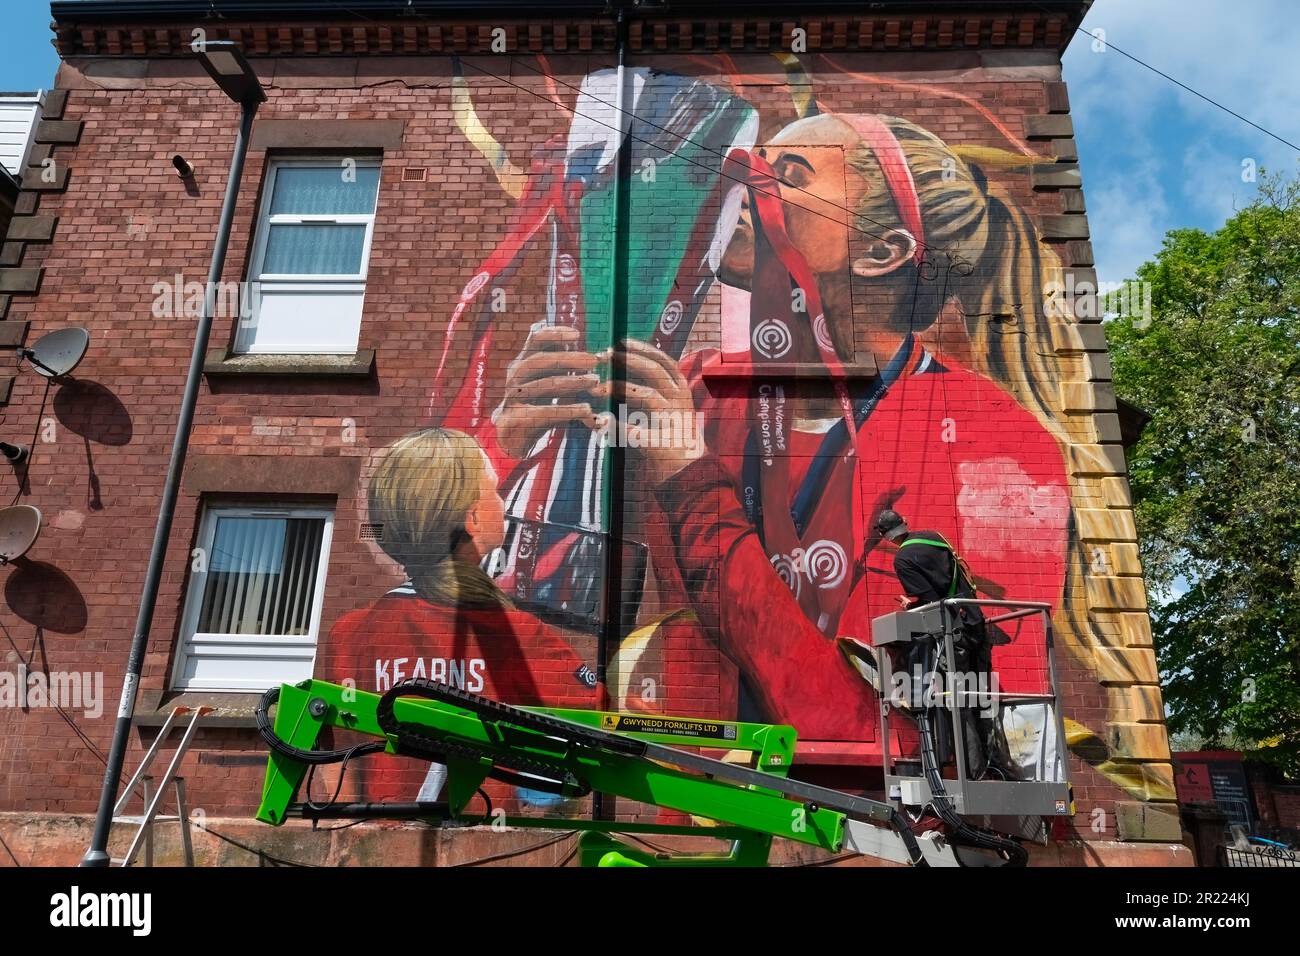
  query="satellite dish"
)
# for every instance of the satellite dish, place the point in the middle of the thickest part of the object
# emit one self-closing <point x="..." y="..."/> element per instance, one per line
<point x="19" y="526"/>
<point x="58" y="353"/>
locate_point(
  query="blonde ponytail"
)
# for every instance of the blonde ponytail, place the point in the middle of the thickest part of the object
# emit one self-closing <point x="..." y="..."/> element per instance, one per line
<point x="1002" y="297"/>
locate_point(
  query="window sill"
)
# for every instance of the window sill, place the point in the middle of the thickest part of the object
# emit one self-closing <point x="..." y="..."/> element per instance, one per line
<point x="802" y="371"/>
<point x="222" y="362"/>
<point x="229" y="709"/>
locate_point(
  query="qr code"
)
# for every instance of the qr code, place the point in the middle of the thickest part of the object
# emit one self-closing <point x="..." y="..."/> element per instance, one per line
<point x="729" y="732"/>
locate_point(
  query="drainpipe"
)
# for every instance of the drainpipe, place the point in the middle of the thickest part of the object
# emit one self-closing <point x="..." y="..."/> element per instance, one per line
<point x="97" y="855"/>
<point x="616" y="463"/>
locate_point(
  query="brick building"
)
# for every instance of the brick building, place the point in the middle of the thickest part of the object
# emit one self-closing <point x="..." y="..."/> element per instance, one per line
<point x="431" y="187"/>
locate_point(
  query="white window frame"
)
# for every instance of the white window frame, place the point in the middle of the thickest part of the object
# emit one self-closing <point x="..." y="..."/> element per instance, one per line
<point x="324" y="284"/>
<point x="301" y="649"/>
<point x="25" y="110"/>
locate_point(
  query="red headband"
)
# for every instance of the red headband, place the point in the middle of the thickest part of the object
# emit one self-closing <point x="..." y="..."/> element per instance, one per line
<point x="884" y="145"/>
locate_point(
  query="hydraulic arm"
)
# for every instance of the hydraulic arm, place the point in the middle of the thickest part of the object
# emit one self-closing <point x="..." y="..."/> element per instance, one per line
<point x="573" y="752"/>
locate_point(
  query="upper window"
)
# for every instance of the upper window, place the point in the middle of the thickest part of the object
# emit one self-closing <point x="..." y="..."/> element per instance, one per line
<point x="310" y="256"/>
<point x="254" y="603"/>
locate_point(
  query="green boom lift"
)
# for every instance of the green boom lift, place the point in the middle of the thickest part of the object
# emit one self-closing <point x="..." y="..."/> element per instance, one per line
<point x="640" y="757"/>
<point x="568" y="751"/>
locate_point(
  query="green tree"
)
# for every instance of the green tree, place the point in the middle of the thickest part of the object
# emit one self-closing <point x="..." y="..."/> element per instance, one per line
<point x="1216" y="475"/>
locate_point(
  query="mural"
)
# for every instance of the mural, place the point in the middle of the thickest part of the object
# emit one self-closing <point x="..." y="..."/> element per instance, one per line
<point x="838" y="311"/>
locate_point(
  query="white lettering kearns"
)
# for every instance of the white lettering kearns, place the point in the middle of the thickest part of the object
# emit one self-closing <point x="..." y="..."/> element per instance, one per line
<point x="467" y="674"/>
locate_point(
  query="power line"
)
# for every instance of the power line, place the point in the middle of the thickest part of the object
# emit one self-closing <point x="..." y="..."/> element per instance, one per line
<point x="777" y="195"/>
<point x="1181" y="84"/>
<point x="690" y="142"/>
<point x="1079" y="28"/>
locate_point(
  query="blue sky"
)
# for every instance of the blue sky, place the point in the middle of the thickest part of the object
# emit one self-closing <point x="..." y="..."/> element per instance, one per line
<point x="27" y="58"/>
<point x="1154" y="158"/>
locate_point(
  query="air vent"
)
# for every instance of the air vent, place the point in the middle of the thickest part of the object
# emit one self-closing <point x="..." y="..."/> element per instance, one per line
<point x="372" y="532"/>
<point x="415" y="174"/>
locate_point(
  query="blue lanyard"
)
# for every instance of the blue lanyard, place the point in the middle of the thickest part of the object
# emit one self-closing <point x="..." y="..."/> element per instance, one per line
<point x="828" y="452"/>
<point x="837" y="438"/>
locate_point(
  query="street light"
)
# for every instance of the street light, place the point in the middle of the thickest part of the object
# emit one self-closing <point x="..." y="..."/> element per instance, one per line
<point x="226" y="65"/>
<point x="224" y="62"/>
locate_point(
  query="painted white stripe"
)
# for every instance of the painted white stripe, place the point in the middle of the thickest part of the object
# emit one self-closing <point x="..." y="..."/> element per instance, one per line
<point x="520" y="494"/>
<point x="591" y="484"/>
<point x="596" y="482"/>
<point x="557" y="476"/>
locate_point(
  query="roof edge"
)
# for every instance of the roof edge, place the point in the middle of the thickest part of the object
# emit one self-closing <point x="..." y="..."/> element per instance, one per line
<point x="258" y="10"/>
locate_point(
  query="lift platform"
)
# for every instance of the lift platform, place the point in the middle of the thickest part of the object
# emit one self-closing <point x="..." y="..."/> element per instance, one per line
<point x="1042" y="791"/>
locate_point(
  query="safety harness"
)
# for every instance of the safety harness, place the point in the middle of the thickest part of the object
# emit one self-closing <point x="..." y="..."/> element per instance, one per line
<point x="958" y="565"/>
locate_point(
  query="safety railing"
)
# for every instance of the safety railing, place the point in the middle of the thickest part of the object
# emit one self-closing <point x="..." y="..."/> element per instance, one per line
<point x="1258" y="856"/>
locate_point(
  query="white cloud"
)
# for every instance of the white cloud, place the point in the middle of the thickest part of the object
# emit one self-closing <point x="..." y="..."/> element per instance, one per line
<point x="1142" y="182"/>
<point x="1212" y="182"/>
<point x="1129" y="217"/>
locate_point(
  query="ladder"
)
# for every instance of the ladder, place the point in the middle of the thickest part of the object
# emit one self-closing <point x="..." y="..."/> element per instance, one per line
<point x="146" y="821"/>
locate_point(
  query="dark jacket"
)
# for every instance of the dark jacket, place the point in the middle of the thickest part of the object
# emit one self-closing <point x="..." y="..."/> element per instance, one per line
<point x="926" y="572"/>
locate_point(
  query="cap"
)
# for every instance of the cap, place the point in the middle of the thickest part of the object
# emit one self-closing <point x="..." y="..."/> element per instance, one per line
<point x="890" y="525"/>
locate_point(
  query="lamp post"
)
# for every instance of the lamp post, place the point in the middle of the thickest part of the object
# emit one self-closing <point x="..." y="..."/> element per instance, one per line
<point x="224" y="62"/>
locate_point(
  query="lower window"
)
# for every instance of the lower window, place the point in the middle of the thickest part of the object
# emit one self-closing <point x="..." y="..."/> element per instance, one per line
<point x="253" y="610"/>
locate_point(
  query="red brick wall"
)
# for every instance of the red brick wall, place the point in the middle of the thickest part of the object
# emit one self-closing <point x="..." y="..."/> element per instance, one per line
<point x="1288" y="808"/>
<point x="126" y="222"/>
